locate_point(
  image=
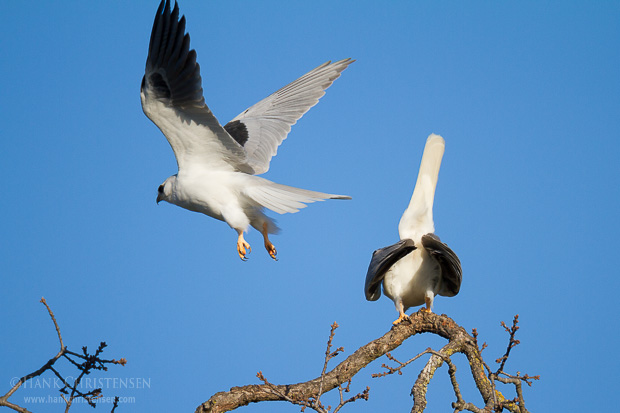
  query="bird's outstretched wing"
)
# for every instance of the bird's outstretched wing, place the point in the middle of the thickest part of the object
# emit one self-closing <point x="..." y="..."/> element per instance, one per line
<point x="382" y="260"/>
<point x="262" y="128"/>
<point x="451" y="272"/>
<point x="418" y="217"/>
<point x="172" y="98"/>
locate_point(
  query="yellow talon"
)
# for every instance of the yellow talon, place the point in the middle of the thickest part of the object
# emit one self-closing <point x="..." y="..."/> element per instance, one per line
<point x="400" y="318"/>
<point x="268" y="245"/>
<point x="271" y="250"/>
<point x="243" y="247"/>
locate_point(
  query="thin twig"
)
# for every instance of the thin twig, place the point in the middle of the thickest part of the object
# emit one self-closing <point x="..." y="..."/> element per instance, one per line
<point x="328" y="356"/>
<point x="45" y="367"/>
<point x="91" y="362"/>
<point x="49" y="310"/>
<point x="313" y="400"/>
<point x="512" y="342"/>
<point x="401" y="365"/>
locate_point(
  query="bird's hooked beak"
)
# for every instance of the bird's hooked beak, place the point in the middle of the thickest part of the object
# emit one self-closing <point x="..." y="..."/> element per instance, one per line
<point x="160" y="193"/>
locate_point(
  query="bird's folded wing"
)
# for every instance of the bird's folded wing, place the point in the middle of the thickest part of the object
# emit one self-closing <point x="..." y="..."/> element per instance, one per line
<point x="262" y="128"/>
<point x="172" y="98"/>
<point x="282" y="198"/>
<point x="451" y="272"/>
<point x="382" y="260"/>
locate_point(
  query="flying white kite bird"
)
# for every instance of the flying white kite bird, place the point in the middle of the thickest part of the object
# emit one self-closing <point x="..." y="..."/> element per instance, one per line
<point x="217" y="164"/>
<point x="419" y="267"/>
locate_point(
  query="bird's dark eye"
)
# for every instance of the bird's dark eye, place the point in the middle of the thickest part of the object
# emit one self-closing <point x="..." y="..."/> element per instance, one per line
<point x="161" y="189"/>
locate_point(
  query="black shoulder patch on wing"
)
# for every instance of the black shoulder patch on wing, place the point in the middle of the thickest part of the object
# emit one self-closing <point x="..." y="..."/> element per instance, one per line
<point x="451" y="272"/>
<point x="382" y="260"/>
<point x="159" y="86"/>
<point x="238" y="131"/>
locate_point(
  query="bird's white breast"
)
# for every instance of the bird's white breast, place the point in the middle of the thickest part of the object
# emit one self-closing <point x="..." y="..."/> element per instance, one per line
<point x="209" y="192"/>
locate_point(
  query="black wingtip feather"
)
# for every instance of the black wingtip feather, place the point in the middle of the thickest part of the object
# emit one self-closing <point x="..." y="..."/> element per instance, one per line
<point x="172" y="71"/>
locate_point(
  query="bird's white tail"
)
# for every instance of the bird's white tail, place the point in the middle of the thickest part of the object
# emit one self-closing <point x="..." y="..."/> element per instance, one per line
<point x="418" y="217"/>
<point x="282" y="198"/>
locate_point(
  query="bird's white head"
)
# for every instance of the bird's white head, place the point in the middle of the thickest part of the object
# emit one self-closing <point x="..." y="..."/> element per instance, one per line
<point x="165" y="190"/>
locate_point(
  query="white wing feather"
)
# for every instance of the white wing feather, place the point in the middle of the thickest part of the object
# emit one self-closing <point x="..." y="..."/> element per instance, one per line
<point x="269" y="121"/>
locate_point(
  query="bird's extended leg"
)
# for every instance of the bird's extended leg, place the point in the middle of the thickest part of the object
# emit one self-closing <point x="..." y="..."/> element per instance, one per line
<point x="268" y="245"/>
<point x="401" y="313"/>
<point x="428" y="300"/>
<point x="243" y="247"/>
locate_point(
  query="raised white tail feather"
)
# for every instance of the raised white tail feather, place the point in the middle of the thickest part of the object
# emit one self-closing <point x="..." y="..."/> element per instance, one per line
<point x="285" y="199"/>
<point x="418" y="217"/>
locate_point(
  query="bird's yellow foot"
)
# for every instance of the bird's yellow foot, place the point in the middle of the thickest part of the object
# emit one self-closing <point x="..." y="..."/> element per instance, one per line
<point x="243" y="248"/>
<point x="400" y="318"/>
<point x="426" y="310"/>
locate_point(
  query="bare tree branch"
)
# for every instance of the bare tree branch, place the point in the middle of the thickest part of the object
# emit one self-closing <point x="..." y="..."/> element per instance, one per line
<point x="459" y="341"/>
<point x="90" y="362"/>
<point x="314" y="401"/>
<point x="308" y="394"/>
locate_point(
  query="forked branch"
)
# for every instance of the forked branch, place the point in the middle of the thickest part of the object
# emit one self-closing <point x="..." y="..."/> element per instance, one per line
<point x="84" y="362"/>
<point x="308" y="394"/>
<point x="314" y="401"/>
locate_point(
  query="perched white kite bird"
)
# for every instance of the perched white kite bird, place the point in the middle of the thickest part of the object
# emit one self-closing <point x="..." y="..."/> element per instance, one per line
<point x="217" y="164"/>
<point x="419" y="267"/>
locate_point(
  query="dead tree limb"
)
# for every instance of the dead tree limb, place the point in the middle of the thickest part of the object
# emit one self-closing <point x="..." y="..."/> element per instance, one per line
<point x="459" y="341"/>
<point x="84" y="362"/>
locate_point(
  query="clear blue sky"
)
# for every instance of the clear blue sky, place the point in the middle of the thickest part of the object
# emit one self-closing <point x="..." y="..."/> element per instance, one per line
<point x="526" y="94"/>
